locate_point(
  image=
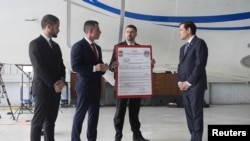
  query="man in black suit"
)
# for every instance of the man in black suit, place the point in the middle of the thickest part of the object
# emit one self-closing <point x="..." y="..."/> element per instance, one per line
<point x="121" y="103"/>
<point x="49" y="76"/>
<point x="86" y="61"/>
<point x="192" y="78"/>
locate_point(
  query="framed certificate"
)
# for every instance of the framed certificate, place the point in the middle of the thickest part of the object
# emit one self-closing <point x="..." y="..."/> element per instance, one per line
<point x="134" y="73"/>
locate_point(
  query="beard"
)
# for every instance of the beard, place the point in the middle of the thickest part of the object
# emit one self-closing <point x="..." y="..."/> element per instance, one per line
<point x="53" y="34"/>
<point x="130" y="38"/>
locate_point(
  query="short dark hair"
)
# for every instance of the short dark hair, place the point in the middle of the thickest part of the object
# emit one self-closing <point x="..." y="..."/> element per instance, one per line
<point x="131" y="26"/>
<point x="191" y="25"/>
<point x="89" y="24"/>
<point x="49" y="19"/>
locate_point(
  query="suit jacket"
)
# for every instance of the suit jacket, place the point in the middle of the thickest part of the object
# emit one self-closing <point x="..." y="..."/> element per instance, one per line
<point x="82" y="62"/>
<point x="47" y="64"/>
<point x="192" y="65"/>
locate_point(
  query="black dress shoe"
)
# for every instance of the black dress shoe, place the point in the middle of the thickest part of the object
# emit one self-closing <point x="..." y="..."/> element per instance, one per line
<point x="117" y="139"/>
<point x="140" y="139"/>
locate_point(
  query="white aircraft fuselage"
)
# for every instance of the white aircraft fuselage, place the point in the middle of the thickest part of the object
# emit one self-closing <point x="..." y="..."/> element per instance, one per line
<point x="223" y="24"/>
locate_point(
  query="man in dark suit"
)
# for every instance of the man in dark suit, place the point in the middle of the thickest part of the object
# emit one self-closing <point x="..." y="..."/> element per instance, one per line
<point x="86" y="61"/>
<point x="121" y="103"/>
<point x="49" y="76"/>
<point x="192" y="78"/>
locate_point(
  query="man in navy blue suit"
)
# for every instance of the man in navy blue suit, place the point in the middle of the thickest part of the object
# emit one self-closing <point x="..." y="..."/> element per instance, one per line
<point x="86" y="61"/>
<point x="192" y="78"/>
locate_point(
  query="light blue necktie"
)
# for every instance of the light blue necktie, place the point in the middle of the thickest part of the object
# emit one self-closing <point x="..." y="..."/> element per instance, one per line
<point x="186" y="46"/>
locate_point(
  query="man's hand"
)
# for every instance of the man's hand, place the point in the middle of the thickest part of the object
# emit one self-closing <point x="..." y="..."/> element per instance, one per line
<point x="106" y="67"/>
<point x="58" y="86"/>
<point x="101" y="67"/>
<point x="114" y="65"/>
<point x="180" y="85"/>
<point x="153" y="63"/>
<point x="183" y="86"/>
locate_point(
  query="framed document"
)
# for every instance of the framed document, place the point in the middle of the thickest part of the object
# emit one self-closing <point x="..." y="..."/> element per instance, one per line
<point x="134" y="73"/>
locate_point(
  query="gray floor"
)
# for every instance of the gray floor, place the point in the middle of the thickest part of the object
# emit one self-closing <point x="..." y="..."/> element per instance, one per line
<point x="158" y="123"/>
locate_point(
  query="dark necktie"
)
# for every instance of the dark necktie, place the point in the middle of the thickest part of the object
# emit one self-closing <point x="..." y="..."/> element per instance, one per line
<point x="186" y="47"/>
<point x="94" y="50"/>
<point x="51" y="43"/>
<point x="52" y="46"/>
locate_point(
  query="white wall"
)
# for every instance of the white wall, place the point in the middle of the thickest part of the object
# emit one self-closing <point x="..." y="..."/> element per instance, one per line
<point x="229" y="93"/>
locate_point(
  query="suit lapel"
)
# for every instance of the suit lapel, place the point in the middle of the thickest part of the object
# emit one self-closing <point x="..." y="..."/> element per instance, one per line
<point x="190" y="48"/>
<point x="46" y="45"/>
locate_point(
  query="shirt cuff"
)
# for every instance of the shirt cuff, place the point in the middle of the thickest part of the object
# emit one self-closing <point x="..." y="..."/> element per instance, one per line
<point x="188" y="83"/>
<point x="179" y="83"/>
